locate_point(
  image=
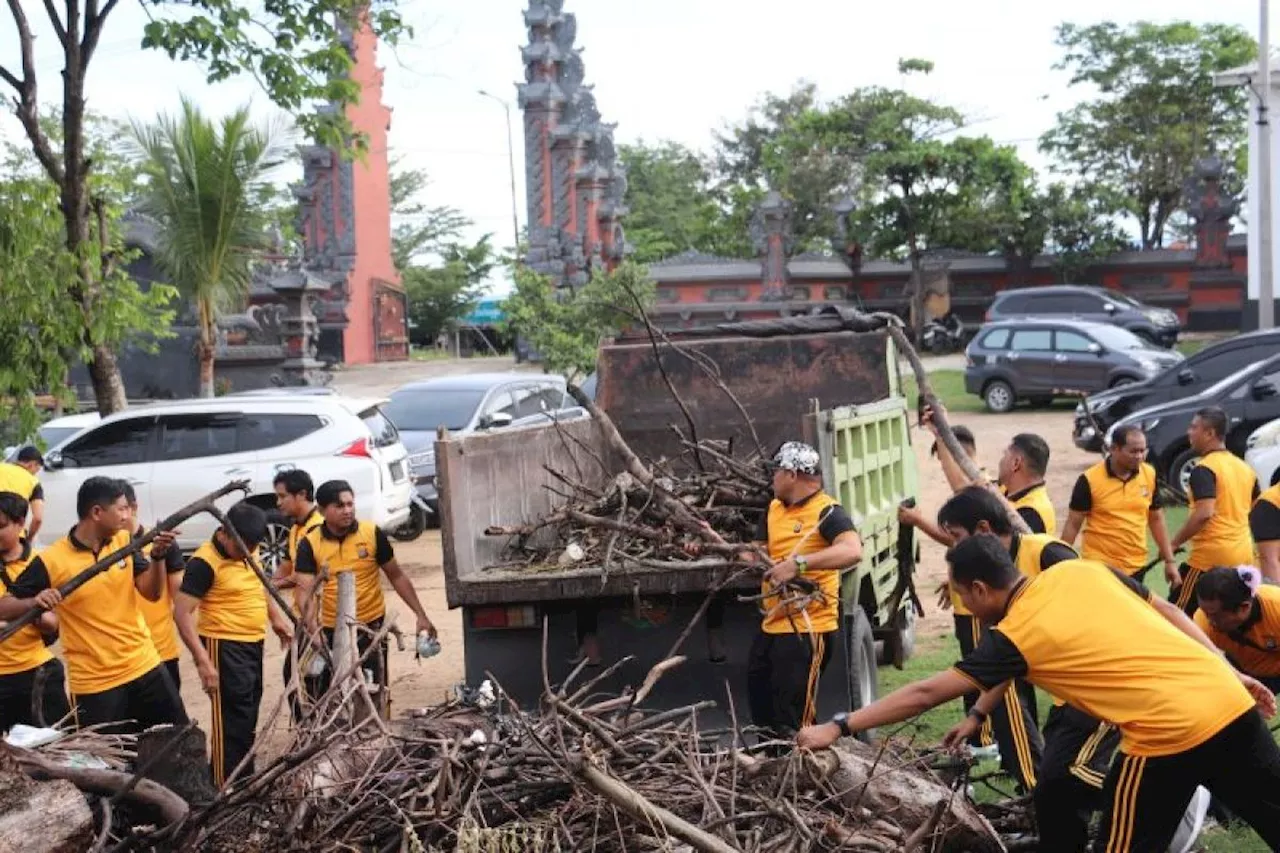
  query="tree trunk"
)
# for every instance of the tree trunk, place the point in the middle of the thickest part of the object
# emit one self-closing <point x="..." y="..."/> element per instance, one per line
<point x="108" y="385"/>
<point x="205" y="350"/>
<point x="41" y="817"/>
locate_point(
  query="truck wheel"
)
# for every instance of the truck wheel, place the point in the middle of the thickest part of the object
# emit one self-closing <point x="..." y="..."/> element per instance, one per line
<point x="862" y="677"/>
<point x="900" y="644"/>
<point x="999" y="397"/>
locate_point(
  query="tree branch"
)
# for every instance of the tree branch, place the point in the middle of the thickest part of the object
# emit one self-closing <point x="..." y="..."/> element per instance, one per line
<point x="26" y="108"/>
<point x="7" y="76"/>
<point x="56" y="22"/>
<point x="93" y="21"/>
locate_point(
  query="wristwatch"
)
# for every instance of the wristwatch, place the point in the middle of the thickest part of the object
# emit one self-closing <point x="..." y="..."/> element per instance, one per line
<point x="977" y="715"/>
<point x="802" y="565"/>
<point x="842" y="720"/>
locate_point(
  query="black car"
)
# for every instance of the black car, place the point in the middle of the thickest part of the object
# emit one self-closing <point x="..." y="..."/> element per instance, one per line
<point x="1250" y="397"/>
<point x="1095" y="415"/>
<point x="1160" y="326"/>
<point x="1038" y="360"/>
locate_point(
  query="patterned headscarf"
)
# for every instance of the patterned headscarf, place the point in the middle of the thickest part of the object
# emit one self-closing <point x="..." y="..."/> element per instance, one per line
<point x="799" y="457"/>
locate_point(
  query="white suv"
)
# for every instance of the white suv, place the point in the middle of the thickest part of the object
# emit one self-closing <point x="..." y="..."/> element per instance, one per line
<point x="174" y="453"/>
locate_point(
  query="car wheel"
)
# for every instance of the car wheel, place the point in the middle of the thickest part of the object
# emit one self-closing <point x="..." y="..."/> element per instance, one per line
<point x="275" y="545"/>
<point x="1180" y="470"/>
<point x="1121" y="381"/>
<point x="999" y="397"/>
<point x="862" y="676"/>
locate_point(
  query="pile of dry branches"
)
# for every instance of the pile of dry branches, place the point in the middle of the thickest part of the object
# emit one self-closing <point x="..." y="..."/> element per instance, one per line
<point x="585" y="772"/>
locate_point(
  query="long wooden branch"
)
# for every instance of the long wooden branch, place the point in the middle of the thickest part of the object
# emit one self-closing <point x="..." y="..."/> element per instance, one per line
<point x="108" y="783"/>
<point x="204" y="504"/>
<point x="56" y="22"/>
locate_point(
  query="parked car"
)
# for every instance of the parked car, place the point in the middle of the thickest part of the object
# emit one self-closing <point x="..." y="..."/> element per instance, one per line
<point x="1160" y="326"/>
<point x="55" y="431"/>
<point x="1250" y="397"/>
<point x="173" y="453"/>
<point x="1038" y="360"/>
<point x="1262" y="452"/>
<point x="1212" y="364"/>
<point x="470" y="403"/>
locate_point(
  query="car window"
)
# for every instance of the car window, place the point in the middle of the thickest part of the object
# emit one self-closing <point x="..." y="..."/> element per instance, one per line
<point x="1215" y="366"/>
<point x="526" y="401"/>
<point x="995" y="339"/>
<point x="1014" y="304"/>
<point x="501" y="401"/>
<point x="382" y="429"/>
<point x="260" y="431"/>
<point x="197" y="436"/>
<point x="1071" y="342"/>
<point x="1049" y="303"/>
<point x="1082" y="303"/>
<point x="548" y="398"/>
<point x="53" y="436"/>
<point x="1032" y="339"/>
<point x="426" y="409"/>
<point x="117" y="443"/>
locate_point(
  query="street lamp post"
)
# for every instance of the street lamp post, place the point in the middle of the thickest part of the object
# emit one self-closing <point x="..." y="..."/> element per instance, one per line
<point x="1266" y="285"/>
<point x="511" y="165"/>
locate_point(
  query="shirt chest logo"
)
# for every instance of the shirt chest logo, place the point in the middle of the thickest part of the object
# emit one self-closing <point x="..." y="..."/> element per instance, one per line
<point x="1269" y="643"/>
<point x="362" y="552"/>
<point x="797" y="527"/>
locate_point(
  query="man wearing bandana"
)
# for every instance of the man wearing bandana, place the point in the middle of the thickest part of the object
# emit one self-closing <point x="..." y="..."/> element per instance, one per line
<point x="810" y="539"/>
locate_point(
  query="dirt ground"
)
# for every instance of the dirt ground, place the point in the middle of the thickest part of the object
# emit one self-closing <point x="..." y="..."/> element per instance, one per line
<point x="427" y="683"/>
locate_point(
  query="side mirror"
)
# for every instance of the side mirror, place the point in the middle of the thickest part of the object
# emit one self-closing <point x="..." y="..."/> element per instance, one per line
<point x="1110" y="307"/>
<point x="1263" y="389"/>
<point x="1186" y="376"/>
<point x="498" y="420"/>
<point x="1096" y="348"/>
<point x="53" y="460"/>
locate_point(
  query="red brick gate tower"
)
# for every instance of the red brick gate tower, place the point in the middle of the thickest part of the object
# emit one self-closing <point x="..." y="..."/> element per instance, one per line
<point x="574" y="183"/>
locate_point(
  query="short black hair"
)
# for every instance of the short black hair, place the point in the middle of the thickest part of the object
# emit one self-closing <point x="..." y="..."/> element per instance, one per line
<point x="30" y="453"/>
<point x="330" y="492"/>
<point x="98" y="491"/>
<point x="13" y="507"/>
<point x="1034" y="449"/>
<point x="129" y="494"/>
<point x="1215" y="419"/>
<point x="1224" y="586"/>
<point x="249" y="521"/>
<point x="963" y="434"/>
<point x="983" y="558"/>
<point x="971" y="505"/>
<point x="1120" y="436"/>
<point x="296" y="482"/>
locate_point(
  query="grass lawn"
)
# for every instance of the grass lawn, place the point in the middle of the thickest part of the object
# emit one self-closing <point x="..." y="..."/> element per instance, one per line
<point x="949" y="386"/>
<point x="935" y="653"/>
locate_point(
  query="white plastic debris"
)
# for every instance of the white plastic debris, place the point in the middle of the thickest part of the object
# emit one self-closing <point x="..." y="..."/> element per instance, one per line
<point x="486" y="695"/>
<point x="29" y="737"/>
<point x="573" y="553"/>
<point x="478" y="738"/>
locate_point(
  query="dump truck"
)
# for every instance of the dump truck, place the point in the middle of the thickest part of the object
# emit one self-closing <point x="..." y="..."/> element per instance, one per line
<point x="839" y="390"/>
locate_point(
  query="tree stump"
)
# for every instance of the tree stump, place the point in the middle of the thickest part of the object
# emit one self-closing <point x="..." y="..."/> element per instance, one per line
<point x="41" y="817"/>
<point x="182" y="767"/>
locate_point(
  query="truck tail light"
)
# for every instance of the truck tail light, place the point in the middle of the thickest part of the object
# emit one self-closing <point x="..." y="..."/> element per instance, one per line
<point x="358" y="449"/>
<point x="517" y="616"/>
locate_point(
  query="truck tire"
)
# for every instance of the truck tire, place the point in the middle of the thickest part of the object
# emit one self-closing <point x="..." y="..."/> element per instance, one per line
<point x="900" y="643"/>
<point x="861" y="677"/>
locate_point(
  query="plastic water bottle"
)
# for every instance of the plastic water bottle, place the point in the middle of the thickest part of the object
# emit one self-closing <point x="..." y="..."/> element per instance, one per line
<point x="428" y="646"/>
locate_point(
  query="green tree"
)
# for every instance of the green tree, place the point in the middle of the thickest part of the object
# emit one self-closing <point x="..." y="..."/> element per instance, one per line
<point x="1155" y="112"/>
<point x="672" y="204"/>
<point x="420" y="230"/>
<point x="442" y="294"/>
<point x="291" y="47"/>
<point x="204" y="181"/>
<point x="565" y="325"/>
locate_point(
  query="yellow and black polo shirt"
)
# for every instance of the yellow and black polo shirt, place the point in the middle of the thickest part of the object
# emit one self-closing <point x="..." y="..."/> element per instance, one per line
<point x="363" y="549"/>
<point x="104" y="637"/>
<point x="1087" y="633"/>
<point x="1225" y="539"/>
<point x="1254" y="647"/>
<point x="1264" y="518"/>
<point x="1116" y="513"/>
<point x="233" y="604"/>
<point x="1035" y="508"/>
<point x="20" y="481"/>
<point x="301" y="529"/>
<point x="799" y="529"/>
<point x="159" y="614"/>
<point x="1034" y="553"/>
<point x="25" y="650"/>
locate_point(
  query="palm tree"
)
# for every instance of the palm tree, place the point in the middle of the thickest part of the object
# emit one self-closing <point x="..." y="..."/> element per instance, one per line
<point x="203" y="184"/>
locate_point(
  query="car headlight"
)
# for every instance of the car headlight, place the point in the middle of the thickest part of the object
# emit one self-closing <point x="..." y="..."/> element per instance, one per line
<point x="1080" y="409"/>
<point x="1148" y="365"/>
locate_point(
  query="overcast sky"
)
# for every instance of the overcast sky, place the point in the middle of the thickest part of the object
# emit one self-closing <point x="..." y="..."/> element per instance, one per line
<point x="662" y="69"/>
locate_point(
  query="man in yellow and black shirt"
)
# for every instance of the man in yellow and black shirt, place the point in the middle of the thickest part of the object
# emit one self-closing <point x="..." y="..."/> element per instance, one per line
<point x="1021" y="477"/>
<point x="1117" y="501"/>
<point x="114" y="671"/>
<point x="1099" y="640"/>
<point x="1014" y="721"/>
<point x="1241" y="615"/>
<point x="159" y="613"/>
<point x="21" y="477"/>
<point x="1221" y="492"/>
<point x="226" y="642"/>
<point x="32" y="688"/>
<point x="344" y="544"/>
<point x="1264" y="524"/>
<point x="296" y="500"/>
<point x="811" y="537"/>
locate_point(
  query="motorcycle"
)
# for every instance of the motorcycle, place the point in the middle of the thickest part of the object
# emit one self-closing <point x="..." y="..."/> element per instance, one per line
<point x="420" y="515"/>
<point x="942" y="335"/>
